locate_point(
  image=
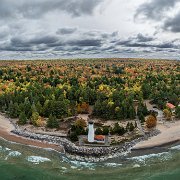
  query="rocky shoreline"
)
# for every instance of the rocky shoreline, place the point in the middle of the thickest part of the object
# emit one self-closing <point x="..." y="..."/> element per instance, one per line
<point x="83" y="153"/>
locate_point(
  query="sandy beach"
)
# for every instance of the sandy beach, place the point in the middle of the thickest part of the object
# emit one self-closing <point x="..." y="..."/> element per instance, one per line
<point x="5" y="132"/>
<point x="170" y="132"/>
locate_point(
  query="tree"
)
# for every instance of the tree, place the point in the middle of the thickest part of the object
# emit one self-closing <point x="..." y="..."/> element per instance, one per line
<point x="27" y="108"/>
<point x="45" y="109"/>
<point x="59" y="108"/>
<point x="177" y="112"/>
<point x="52" y="122"/>
<point x="34" y="118"/>
<point x="105" y="131"/>
<point x="22" y="118"/>
<point x="85" y="107"/>
<point x="118" y="129"/>
<point x="151" y="121"/>
<point x="39" y="108"/>
<point x="80" y="123"/>
<point x="141" y="117"/>
<point x="98" y="131"/>
<point x="13" y="110"/>
<point x="127" y="126"/>
<point x="131" y="127"/>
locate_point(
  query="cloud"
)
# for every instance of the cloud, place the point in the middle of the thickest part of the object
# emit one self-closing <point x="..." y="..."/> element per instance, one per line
<point x="138" y="40"/>
<point x="142" y="38"/>
<point x="57" y="28"/>
<point x="36" y="40"/>
<point x="173" y="24"/>
<point x="85" y="42"/>
<point x="141" y="41"/>
<point x="66" y="31"/>
<point x="155" y="9"/>
<point x="34" y="9"/>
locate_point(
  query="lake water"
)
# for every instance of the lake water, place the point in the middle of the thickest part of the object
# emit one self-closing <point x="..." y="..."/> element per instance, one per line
<point x="30" y="163"/>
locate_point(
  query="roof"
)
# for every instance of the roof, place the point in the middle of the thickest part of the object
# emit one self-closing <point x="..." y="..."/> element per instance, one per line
<point x="169" y="105"/>
<point x="99" y="137"/>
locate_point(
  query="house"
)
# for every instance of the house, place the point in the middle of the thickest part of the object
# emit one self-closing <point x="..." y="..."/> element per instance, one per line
<point x="99" y="138"/>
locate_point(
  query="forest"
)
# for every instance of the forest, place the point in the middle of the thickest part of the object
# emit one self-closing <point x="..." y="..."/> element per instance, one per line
<point x="37" y="90"/>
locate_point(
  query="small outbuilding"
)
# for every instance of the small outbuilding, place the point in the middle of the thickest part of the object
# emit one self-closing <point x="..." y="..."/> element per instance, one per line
<point x="99" y="138"/>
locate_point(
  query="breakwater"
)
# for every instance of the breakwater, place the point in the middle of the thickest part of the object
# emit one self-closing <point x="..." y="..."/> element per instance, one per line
<point x="84" y="153"/>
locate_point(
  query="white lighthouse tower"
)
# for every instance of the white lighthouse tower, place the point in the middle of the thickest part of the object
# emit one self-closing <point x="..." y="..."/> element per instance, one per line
<point x="91" y="131"/>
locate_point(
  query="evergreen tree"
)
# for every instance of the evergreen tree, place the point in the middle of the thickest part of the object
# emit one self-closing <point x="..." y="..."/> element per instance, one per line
<point x="52" y="122"/>
<point x="131" y="127"/>
<point x="39" y="108"/>
<point x="105" y="131"/>
<point x="13" y="110"/>
<point x="98" y="131"/>
<point x="22" y="118"/>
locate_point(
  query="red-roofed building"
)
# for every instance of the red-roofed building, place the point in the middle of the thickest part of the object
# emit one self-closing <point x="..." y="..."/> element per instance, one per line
<point x="99" y="138"/>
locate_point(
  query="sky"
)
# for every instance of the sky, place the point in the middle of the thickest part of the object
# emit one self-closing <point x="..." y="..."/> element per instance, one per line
<point x="48" y="29"/>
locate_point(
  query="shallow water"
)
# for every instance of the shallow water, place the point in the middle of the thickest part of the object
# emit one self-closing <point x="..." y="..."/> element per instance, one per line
<point x="24" y="162"/>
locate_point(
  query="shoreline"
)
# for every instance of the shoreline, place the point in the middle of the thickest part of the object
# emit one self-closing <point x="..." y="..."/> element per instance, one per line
<point x="9" y="132"/>
<point x="163" y="145"/>
<point x="28" y="142"/>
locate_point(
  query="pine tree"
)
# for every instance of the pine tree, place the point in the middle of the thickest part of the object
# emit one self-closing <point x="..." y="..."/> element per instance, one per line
<point x="131" y="127"/>
<point x="22" y="118"/>
<point x="52" y="122"/>
<point x="13" y="110"/>
<point x="98" y="131"/>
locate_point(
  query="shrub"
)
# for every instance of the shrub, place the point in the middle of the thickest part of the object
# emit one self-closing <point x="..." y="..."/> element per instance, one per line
<point x="151" y="121"/>
<point x="80" y="123"/>
<point x="167" y="114"/>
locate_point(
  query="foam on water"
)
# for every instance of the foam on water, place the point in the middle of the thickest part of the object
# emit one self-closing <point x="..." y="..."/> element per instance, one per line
<point x="162" y="156"/>
<point x="112" y="164"/>
<point x="175" y="147"/>
<point x="13" y="154"/>
<point x="136" y="165"/>
<point x="79" y="164"/>
<point x="37" y="159"/>
<point x="82" y="164"/>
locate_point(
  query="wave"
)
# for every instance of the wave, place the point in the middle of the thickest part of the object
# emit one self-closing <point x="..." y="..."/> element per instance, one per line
<point x="13" y="154"/>
<point x="162" y="156"/>
<point x="112" y="164"/>
<point x="37" y="159"/>
<point x="175" y="147"/>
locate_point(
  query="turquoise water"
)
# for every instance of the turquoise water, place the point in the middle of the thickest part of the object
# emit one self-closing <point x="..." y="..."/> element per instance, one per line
<point x="30" y="163"/>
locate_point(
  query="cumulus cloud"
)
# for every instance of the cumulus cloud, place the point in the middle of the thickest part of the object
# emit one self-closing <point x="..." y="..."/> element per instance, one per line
<point x="155" y="9"/>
